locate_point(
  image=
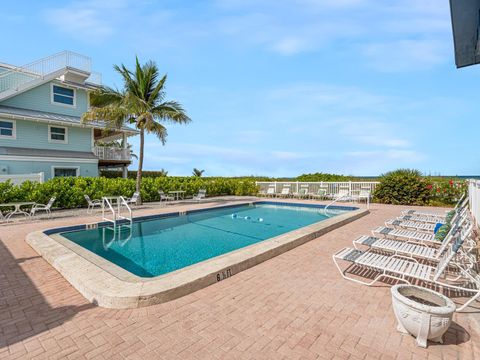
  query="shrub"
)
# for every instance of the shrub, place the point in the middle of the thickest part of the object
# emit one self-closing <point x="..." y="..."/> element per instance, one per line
<point x="70" y="191"/>
<point x="402" y="187"/>
<point x="446" y="191"/>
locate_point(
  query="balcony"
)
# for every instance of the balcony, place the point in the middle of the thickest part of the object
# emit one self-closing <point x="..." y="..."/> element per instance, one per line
<point x="112" y="154"/>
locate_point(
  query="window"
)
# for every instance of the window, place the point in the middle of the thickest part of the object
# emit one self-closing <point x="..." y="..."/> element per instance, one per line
<point x="7" y="129"/>
<point x="65" y="172"/>
<point x="63" y="96"/>
<point x="58" y="134"/>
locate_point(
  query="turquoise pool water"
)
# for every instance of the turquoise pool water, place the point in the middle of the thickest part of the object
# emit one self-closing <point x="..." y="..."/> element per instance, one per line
<point x="158" y="246"/>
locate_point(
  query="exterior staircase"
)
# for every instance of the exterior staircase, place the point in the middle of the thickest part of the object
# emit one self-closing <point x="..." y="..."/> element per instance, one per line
<point x="19" y="79"/>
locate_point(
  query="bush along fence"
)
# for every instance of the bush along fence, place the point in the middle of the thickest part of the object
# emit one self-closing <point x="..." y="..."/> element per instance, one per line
<point x="401" y="187"/>
<point x="409" y="187"/>
<point x="70" y="191"/>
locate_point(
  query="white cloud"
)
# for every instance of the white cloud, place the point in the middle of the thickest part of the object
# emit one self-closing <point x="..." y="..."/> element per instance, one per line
<point x="404" y="35"/>
<point x="93" y="20"/>
<point x="290" y="45"/>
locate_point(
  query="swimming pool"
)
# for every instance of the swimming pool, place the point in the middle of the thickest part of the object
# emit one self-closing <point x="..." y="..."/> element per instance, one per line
<point x="158" y="246"/>
<point x="168" y="255"/>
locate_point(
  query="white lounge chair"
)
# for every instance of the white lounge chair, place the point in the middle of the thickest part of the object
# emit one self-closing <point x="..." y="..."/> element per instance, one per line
<point x="202" y="193"/>
<point x="134" y="199"/>
<point x="419" y="251"/>
<point x="285" y="191"/>
<point x="423" y="226"/>
<point x="271" y="191"/>
<point x="165" y="197"/>
<point x="321" y="194"/>
<point x="407" y="269"/>
<point x="417" y="236"/>
<point x="413" y="225"/>
<point x="92" y="203"/>
<point x="461" y="204"/>
<point x="424" y="219"/>
<point x="303" y="192"/>
<point x="41" y="207"/>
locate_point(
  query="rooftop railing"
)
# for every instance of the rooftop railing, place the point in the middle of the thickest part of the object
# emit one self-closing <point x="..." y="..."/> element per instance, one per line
<point x="17" y="76"/>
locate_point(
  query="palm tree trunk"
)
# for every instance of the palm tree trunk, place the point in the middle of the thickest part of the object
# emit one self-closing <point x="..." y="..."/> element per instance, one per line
<point x="140" y="163"/>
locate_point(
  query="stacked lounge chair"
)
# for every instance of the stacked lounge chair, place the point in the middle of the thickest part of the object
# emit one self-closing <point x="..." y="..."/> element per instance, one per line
<point x="417" y="257"/>
<point x="461" y="204"/>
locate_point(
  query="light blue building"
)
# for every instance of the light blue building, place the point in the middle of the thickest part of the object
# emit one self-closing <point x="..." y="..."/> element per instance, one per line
<point x="41" y="105"/>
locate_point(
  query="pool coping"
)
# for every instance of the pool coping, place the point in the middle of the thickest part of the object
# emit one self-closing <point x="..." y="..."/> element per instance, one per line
<point x="87" y="272"/>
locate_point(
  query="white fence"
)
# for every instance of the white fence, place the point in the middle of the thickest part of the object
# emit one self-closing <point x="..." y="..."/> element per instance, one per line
<point x="474" y="199"/>
<point x="17" y="179"/>
<point x="331" y="188"/>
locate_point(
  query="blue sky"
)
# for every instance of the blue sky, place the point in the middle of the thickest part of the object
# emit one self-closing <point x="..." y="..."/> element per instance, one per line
<point x="279" y="88"/>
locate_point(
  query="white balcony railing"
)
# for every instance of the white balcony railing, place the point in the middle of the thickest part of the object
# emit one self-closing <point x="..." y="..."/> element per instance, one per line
<point x="112" y="153"/>
<point x="14" y="78"/>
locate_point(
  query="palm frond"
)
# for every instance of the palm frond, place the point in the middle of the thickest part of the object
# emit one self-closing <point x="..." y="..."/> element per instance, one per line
<point x="171" y="111"/>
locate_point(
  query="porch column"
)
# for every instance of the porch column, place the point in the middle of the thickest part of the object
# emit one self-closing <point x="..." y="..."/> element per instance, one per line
<point x="124" y="146"/>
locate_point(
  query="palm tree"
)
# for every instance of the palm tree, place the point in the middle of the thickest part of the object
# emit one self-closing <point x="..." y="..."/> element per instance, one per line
<point x="197" y="172"/>
<point x="163" y="172"/>
<point x="141" y="103"/>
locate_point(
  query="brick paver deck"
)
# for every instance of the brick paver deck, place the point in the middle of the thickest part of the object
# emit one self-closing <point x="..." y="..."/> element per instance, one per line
<point x="294" y="306"/>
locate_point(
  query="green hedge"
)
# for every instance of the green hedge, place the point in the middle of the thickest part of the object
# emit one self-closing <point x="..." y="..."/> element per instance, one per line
<point x="322" y="177"/>
<point x="70" y="191"/>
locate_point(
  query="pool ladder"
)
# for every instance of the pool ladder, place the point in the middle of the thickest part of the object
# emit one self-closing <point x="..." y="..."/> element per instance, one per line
<point x="121" y="218"/>
<point x="346" y="196"/>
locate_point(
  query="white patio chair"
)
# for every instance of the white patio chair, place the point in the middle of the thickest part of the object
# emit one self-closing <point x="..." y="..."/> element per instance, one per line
<point x="405" y="269"/>
<point x="363" y="195"/>
<point x="92" y="203"/>
<point x="202" y="193"/>
<point x="134" y="199"/>
<point x="41" y="207"/>
<point x="343" y="194"/>
<point x="165" y="197"/>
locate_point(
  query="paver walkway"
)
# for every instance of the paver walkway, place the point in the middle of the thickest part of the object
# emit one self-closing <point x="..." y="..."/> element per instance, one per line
<point x="294" y="306"/>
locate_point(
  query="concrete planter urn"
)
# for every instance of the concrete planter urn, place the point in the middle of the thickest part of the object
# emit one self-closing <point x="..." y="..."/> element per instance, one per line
<point x="421" y="312"/>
